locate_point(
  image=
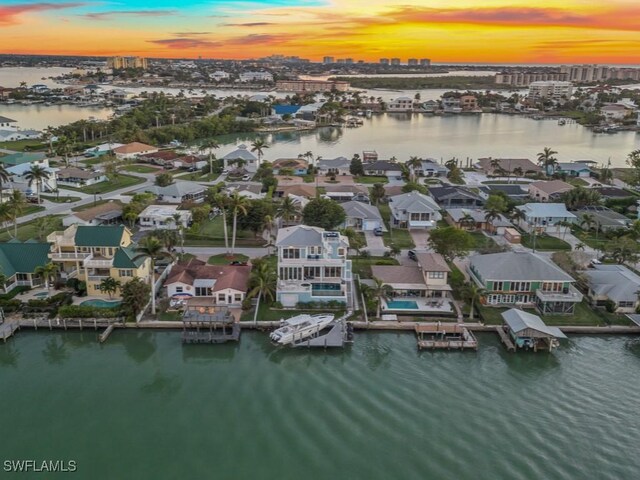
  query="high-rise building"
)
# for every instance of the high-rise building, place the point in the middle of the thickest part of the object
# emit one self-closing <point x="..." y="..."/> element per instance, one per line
<point x="348" y="60"/>
<point x="340" y="60"/>
<point x="550" y="90"/>
<point x="384" y="61"/>
<point x="523" y="79"/>
<point x="118" y="63"/>
<point x="425" y="62"/>
<point x="395" y="61"/>
<point x="412" y="62"/>
<point x="328" y="60"/>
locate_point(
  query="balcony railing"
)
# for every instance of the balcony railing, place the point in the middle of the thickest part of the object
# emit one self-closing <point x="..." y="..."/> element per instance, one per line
<point x="571" y="295"/>
<point x="91" y="262"/>
<point x="60" y="257"/>
<point x="96" y="278"/>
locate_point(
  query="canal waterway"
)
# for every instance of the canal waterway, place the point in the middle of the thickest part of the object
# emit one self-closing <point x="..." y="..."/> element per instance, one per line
<point x="144" y="406"/>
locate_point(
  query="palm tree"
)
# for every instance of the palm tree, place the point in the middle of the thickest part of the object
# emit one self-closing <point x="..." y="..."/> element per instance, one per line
<point x="467" y="221"/>
<point x="16" y="203"/>
<point x="380" y="291"/>
<point x="259" y="146"/>
<point x="237" y="204"/>
<point x="5" y="176"/>
<point x="264" y="280"/>
<point x="547" y="160"/>
<point x="46" y="272"/>
<point x="287" y="209"/>
<point x="475" y="293"/>
<point x="414" y="163"/>
<point x="588" y="219"/>
<point x="42" y="225"/>
<point x="518" y="172"/>
<point x="109" y="286"/>
<point x="579" y="246"/>
<point x="221" y="202"/>
<point x="210" y="146"/>
<point x="152" y="248"/>
<point x="37" y="175"/>
<point x="490" y="216"/>
<point x="516" y="215"/>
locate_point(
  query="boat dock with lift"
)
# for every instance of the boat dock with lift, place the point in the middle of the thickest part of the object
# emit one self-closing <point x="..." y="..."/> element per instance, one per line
<point x="213" y="325"/>
<point x="337" y="334"/>
<point x="445" y="335"/>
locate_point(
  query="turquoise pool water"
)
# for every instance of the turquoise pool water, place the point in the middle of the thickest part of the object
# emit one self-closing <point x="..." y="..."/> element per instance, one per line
<point x="98" y="303"/>
<point x="402" y="305"/>
<point x="41" y="294"/>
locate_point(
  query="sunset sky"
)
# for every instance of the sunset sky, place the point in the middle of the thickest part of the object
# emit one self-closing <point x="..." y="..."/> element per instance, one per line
<point x="507" y="31"/>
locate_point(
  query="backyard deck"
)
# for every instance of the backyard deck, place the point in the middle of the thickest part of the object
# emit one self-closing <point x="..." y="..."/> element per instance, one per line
<point x="445" y="336"/>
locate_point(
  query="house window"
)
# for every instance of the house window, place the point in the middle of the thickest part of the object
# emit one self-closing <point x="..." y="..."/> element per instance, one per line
<point x="497" y="286"/>
<point x="237" y="297"/>
<point x="125" y="273"/>
<point x="312" y="272"/>
<point x="202" y="292"/>
<point x="290" y="253"/>
<point x="341" y="252"/>
<point x="332" y="272"/>
<point x="290" y="273"/>
<point x="222" y="297"/>
<point x="626" y="304"/>
<point x="434" y="275"/>
<point x="179" y="289"/>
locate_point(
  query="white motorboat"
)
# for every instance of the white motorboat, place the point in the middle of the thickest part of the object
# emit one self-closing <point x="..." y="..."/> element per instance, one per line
<point x="300" y="327"/>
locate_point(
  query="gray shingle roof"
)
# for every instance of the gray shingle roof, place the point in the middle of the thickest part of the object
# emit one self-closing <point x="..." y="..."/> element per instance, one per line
<point x="616" y="282"/>
<point x="240" y="153"/>
<point x="299" y="236"/>
<point x="179" y="189"/>
<point x="518" y="266"/>
<point x="414" y="202"/>
<point x="355" y="209"/>
<point x="339" y="162"/>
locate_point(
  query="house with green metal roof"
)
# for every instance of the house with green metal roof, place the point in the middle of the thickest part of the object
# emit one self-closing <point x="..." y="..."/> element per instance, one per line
<point x="19" y="163"/>
<point x="93" y="253"/>
<point x="19" y="261"/>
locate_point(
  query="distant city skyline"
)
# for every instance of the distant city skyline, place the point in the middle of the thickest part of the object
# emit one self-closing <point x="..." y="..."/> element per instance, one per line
<point x="455" y="31"/>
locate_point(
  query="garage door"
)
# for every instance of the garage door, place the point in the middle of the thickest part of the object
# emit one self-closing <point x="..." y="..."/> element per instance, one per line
<point x="370" y="224"/>
<point x="289" y="299"/>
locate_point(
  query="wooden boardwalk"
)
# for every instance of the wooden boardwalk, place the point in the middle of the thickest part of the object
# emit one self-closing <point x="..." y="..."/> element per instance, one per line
<point x="445" y="336"/>
<point x="506" y="339"/>
<point x="8" y="329"/>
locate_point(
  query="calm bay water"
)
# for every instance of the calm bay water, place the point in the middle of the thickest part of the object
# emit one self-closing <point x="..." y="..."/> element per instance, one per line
<point x="461" y="136"/>
<point x="144" y="406"/>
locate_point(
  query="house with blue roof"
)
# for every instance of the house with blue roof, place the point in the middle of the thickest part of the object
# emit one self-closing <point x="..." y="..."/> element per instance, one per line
<point x="280" y="110"/>
<point x="543" y="217"/>
<point x="573" y="169"/>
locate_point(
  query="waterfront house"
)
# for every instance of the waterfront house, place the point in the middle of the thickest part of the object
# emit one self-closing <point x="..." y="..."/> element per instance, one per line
<point x="103" y="214"/>
<point x="613" y="283"/>
<point x="515" y="192"/>
<point x="77" y="177"/>
<point x="545" y="191"/>
<point x="608" y="193"/>
<point x="224" y="285"/>
<point x="133" y="150"/>
<point x="312" y="266"/>
<point x="299" y="190"/>
<point x="14" y="135"/>
<point x="191" y="162"/>
<point x="453" y="196"/>
<point x="163" y="158"/>
<point x="414" y="210"/>
<point x="543" y="217"/>
<point x="526" y="279"/>
<point x="7" y="122"/>
<point x="94" y="253"/>
<point x="506" y="166"/>
<point x="297" y="166"/>
<point x="282" y="110"/>
<point x="101" y="149"/>
<point x="420" y="287"/>
<point x="475" y="219"/>
<point x="18" y="164"/>
<point x="383" y="168"/>
<point x="573" y="169"/>
<point x="362" y="217"/>
<point x="161" y="217"/>
<point x="334" y="166"/>
<point x="604" y="218"/>
<point x="529" y="331"/>
<point x="241" y="157"/>
<point x="19" y="261"/>
<point x="180" y="192"/>
<point x="431" y="168"/>
<point x="400" y="105"/>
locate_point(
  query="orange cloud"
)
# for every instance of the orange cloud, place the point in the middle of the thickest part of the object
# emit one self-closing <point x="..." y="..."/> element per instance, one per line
<point x="9" y="14"/>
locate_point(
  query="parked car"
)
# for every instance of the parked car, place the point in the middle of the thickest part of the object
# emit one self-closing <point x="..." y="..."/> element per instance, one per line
<point x="246" y="178"/>
<point x="412" y="255"/>
<point x="237" y="262"/>
<point x="378" y="232"/>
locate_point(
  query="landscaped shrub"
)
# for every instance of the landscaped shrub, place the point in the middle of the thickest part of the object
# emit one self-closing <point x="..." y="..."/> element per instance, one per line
<point x="84" y="311"/>
<point x="11" y="305"/>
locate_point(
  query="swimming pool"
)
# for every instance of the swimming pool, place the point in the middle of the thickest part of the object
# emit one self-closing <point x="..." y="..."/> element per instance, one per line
<point x="98" y="303"/>
<point x="402" y="305"/>
<point x="41" y="294"/>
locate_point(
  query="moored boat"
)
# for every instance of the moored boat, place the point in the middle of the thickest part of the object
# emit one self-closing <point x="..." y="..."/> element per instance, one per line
<point x="300" y="327"/>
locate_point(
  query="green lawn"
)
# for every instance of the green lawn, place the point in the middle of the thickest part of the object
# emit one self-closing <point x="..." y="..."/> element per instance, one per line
<point x="92" y="161"/>
<point x="588" y="237"/>
<point x="140" y="169"/>
<point x="267" y="314"/>
<point x="20" y="145"/>
<point x="28" y="230"/>
<point x="212" y="235"/>
<point x="584" y="316"/>
<point x="545" y="242"/>
<point x="64" y="198"/>
<point x="371" y="179"/>
<point x="122" y="181"/>
<point x="309" y="178"/>
<point x="169" y="316"/>
<point x="480" y="240"/>
<point x="32" y="209"/>
<point x="362" y="266"/>
<point x="222" y="259"/>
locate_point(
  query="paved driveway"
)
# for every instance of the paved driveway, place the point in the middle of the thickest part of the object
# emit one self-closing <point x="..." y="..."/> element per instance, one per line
<point x="375" y="245"/>
<point x="420" y="238"/>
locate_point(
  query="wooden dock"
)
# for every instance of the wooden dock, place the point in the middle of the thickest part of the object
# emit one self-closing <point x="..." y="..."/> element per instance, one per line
<point x="104" y="335"/>
<point x="450" y="336"/>
<point x="229" y="334"/>
<point x="506" y="339"/>
<point x="8" y="329"/>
